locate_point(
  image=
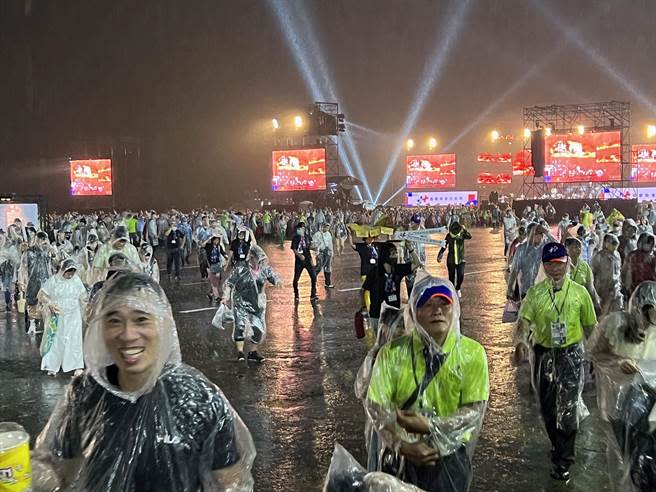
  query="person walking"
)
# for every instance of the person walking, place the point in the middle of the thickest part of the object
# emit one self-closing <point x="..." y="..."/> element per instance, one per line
<point x="455" y="260"/>
<point x="301" y="243"/>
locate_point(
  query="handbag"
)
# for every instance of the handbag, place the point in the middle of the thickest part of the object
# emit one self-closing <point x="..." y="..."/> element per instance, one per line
<point x="510" y="312"/>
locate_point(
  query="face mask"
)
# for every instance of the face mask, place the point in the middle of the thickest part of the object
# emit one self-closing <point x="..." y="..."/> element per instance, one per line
<point x="300" y="232"/>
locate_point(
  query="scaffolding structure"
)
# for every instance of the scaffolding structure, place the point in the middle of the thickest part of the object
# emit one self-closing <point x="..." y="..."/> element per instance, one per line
<point x="311" y="137"/>
<point x="594" y="117"/>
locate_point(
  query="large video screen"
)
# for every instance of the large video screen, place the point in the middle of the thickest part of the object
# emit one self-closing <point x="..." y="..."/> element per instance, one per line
<point x="521" y="164"/>
<point x="487" y="178"/>
<point x="440" y="198"/>
<point x="299" y="170"/>
<point x="91" y="177"/>
<point x="587" y="157"/>
<point x="498" y="158"/>
<point x="643" y="169"/>
<point x="26" y="212"/>
<point x="430" y="171"/>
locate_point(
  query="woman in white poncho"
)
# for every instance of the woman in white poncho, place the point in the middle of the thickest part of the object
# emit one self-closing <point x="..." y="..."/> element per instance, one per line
<point x="62" y="298"/>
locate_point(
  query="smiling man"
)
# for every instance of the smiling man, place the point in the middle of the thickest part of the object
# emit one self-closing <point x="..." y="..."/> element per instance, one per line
<point x="554" y="317"/>
<point x="139" y="419"/>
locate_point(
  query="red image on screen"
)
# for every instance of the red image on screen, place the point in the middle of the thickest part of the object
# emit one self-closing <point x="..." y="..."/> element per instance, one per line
<point x="299" y="170"/>
<point x="587" y="157"/>
<point x="487" y="178"/>
<point x="644" y="163"/>
<point x="430" y="171"/>
<point x="521" y="164"/>
<point x="504" y="158"/>
<point x="91" y="177"/>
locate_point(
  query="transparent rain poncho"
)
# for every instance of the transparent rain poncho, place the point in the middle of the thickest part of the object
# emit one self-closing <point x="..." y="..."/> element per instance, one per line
<point x="9" y="260"/>
<point x="606" y="268"/>
<point x="626" y="400"/>
<point x="101" y="259"/>
<point x="452" y="396"/>
<point x="246" y="284"/>
<point x="35" y="268"/>
<point x="177" y="432"/>
<point x="347" y="475"/>
<point x="525" y="264"/>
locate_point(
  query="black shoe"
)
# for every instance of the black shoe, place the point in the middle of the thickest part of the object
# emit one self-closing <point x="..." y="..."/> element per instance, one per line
<point x="255" y="357"/>
<point x="560" y="472"/>
<point x="210" y="297"/>
<point x="241" y="356"/>
<point x="219" y="300"/>
<point x="177" y="279"/>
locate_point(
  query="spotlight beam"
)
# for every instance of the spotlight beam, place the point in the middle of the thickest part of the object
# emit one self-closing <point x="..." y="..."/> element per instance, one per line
<point x="365" y="129"/>
<point x="395" y="193"/>
<point x="576" y="38"/>
<point x="432" y="73"/>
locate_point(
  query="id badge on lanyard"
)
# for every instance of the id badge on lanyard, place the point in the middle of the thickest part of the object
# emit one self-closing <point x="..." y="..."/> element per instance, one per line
<point x="558" y="327"/>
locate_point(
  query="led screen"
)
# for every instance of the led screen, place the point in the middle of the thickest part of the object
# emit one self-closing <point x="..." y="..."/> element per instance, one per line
<point x="503" y="158"/>
<point x="644" y="163"/>
<point x="487" y="178"/>
<point x="91" y="177"/>
<point x="430" y="171"/>
<point x="440" y="198"/>
<point x="299" y="169"/>
<point x="587" y="157"/>
<point x="521" y="164"/>
<point x="26" y="212"/>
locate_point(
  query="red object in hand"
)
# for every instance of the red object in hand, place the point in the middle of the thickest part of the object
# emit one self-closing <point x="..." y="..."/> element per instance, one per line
<point x="358" y="324"/>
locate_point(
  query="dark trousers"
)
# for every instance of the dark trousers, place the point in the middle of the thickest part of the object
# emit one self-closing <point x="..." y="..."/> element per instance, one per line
<point x="298" y="269"/>
<point x="452" y="473"/>
<point x="557" y="379"/>
<point x="456" y="274"/>
<point x="173" y="260"/>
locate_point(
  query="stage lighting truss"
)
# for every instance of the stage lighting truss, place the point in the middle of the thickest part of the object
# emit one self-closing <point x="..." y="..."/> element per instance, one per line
<point x="578" y="119"/>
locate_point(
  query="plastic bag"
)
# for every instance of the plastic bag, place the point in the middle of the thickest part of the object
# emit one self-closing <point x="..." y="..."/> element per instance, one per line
<point x="510" y="312"/>
<point x="347" y="475"/>
<point x="223" y="317"/>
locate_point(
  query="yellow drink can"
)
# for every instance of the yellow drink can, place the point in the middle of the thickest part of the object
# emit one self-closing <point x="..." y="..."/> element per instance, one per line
<point x="15" y="469"/>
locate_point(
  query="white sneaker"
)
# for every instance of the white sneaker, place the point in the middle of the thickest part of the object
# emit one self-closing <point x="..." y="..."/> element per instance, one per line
<point x="459" y="294"/>
<point x="32" y="329"/>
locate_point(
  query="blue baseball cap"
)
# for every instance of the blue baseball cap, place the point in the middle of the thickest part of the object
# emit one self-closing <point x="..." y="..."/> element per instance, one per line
<point x="554" y="252"/>
<point x="416" y="218"/>
<point x="435" y="291"/>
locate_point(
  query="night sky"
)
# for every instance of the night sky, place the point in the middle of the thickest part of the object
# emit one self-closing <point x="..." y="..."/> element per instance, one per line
<point x="197" y="82"/>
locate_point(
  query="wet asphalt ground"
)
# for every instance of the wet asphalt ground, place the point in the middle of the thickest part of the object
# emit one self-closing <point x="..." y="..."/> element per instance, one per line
<point x="300" y="401"/>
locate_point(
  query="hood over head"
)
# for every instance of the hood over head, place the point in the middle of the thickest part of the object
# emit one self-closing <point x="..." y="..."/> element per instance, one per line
<point x="135" y="291"/>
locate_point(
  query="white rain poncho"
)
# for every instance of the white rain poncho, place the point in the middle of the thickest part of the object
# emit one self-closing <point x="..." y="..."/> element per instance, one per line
<point x="62" y="301"/>
<point x="448" y="385"/>
<point x="177" y="432"/>
<point x="607" y="272"/>
<point x="525" y="264"/>
<point x="9" y="260"/>
<point x="247" y="282"/>
<point x="347" y="475"/>
<point x="626" y="401"/>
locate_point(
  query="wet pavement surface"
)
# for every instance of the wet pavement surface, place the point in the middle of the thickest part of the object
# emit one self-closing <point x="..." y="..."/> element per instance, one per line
<point x="300" y="401"/>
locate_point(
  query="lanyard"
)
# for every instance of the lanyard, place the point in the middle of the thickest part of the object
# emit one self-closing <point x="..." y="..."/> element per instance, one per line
<point x="390" y="287"/>
<point x="374" y="253"/>
<point x="562" y="304"/>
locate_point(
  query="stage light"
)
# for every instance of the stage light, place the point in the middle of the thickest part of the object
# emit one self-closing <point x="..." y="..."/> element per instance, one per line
<point x="527" y="133"/>
<point x="494" y="135"/>
<point x="275" y="124"/>
<point x="449" y="31"/>
<point x="548" y="131"/>
<point x="651" y="131"/>
<point x="409" y="144"/>
<point x="580" y="129"/>
<point x="432" y="143"/>
<point x="298" y="121"/>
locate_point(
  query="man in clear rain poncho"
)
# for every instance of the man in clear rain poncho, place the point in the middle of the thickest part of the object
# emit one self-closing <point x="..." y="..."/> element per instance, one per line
<point x="62" y="298"/>
<point x="623" y="349"/>
<point x="606" y="269"/>
<point x="247" y="300"/>
<point x="138" y="418"/>
<point x="34" y="270"/>
<point x="553" y="320"/>
<point x="427" y="394"/>
<point x="119" y="242"/>
<point x="526" y="261"/>
<point x="9" y="260"/>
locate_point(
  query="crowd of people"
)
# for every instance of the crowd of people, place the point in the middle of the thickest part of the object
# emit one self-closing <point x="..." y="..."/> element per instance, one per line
<point x="90" y="283"/>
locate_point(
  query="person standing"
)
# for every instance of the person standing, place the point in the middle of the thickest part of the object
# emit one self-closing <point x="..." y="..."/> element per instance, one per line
<point x="526" y="262"/>
<point x="509" y="229"/>
<point x="35" y="269"/>
<point x="556" y="313"/>
<point x="455" y="260"/>
<point x="606" y="269"/>
<point x="149" y="263"/>
<point x="368" y="253"/>
<point x="301" y="243"/>
<point x="175" y="240"/>
<point x="640" y="265"/>
<point x="9" y="260"/>
<point x="62" y="297"/>
<point x="322" y="242"/>
<point x="216" y="257"/>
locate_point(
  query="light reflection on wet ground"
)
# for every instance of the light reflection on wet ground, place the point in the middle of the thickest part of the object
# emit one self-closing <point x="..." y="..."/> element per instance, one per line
<point x="301" y="400"/>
